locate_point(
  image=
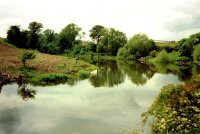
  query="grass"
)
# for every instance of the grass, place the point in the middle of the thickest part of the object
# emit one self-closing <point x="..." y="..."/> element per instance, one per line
<point x="166" y="45"/>
<point x="44" y="68"/>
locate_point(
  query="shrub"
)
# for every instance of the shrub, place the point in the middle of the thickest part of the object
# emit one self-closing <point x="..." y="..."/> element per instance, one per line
<point x="83" y="74"/>
<point x="164" y="57"/>
<point x="153" y="53"/>
<point x="175" y="110"/>
<point x="26" y="55"/>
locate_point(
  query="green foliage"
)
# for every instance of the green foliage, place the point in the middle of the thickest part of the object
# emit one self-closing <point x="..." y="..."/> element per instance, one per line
<point x="97" y="32"/>
<point x="186" y="49"/>
<point x="175" y="110"/>
<point x="153" y="53"/>
<point x="196" y="53"/>
<point x="77" y="49"/>
<point x="17" y="37"/>
<point x="68" y="36"/>
<point x="113" y="40"/>
<point x="91" y="47"/>
<point x="100" y="48"/>
<point x="49" y="42"/>
<point x="33" y="36"/>
<point x="27" y="55"/>
<point x="82" y="74"/>
<point x="164" y="57"/>
<point x="49" y="78"/>
<point x="138" y="46"/>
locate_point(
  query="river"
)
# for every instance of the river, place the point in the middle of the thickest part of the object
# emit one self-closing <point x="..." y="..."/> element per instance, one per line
<point x="108" y="102"/>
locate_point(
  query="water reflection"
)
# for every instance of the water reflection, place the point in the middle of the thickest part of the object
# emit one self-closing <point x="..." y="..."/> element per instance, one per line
<point x="9" y="120"/>
<point x="138" y="73"/>
<point x="26" y="93"/>
<point x="112" y="73"/>
<point x="184" y="73"/>
<point x="109" y="74"/>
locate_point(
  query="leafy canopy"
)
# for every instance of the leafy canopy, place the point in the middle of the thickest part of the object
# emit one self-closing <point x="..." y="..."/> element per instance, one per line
<point x="97" y="32"/>
<point x="138" y="46"/>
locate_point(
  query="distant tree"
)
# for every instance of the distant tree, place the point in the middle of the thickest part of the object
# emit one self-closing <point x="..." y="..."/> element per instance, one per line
<point x="68" y="36"/>
<point x="34" y="31"/>
<point x="26" y="55"/>
<point x="138" y="46"/>
<point x="114" y="40"/>
<point x="14" y="36"/>
<point x="97" y="32"/>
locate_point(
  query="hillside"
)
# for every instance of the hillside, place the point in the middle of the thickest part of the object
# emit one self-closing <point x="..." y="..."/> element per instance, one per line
<point x="43" y="64"/>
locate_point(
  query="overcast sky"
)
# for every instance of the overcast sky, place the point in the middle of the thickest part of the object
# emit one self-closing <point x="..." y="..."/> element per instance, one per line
<point x="159" y="19"/>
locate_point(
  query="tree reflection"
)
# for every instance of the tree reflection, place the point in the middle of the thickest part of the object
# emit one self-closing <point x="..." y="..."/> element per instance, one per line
<point x="138" y="73"/>
<point x="184" y="73"/>
<point x="25" y="93"/>
<point x="108" y="74"/>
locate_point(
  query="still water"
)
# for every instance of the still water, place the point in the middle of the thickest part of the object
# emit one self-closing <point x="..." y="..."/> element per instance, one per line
<point x="108" y="102"/>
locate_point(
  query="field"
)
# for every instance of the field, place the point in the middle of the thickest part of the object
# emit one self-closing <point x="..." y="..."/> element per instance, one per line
<point x="166" y="45"/>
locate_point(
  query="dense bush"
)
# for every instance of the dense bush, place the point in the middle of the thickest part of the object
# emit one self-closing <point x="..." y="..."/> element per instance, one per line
<point x="186" y="49"/>
<point x="196" y="53"/>
<point x="164" y="57"/>
<point x="175" y="110"/>
<point x="91" y="47"/>
<point x="138" y="46"/>
<point x="83" y="74"/>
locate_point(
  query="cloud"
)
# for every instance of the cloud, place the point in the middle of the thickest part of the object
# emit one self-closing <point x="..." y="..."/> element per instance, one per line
<point x="186" y="20"/>
<point x="160" y="19"/>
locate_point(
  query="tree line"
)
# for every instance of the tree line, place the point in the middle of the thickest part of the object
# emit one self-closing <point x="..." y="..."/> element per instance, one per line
<point x="104" y="40"/>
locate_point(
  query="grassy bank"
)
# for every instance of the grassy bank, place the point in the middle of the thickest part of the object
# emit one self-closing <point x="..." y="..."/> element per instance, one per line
<point x="45" y="68"/>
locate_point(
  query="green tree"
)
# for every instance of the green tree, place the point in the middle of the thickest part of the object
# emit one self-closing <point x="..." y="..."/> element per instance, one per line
<point x="97" y="32"/>
<point x="49" y="42"/>
<point x="14" y="36"/>
<point x="113" y="40"/>
<point x="17" y="37"/>
<point x="68" y="36"/>
<point x="138" y="46"/>
<point x="27" y="55"/>
<point x="33" y="37"/>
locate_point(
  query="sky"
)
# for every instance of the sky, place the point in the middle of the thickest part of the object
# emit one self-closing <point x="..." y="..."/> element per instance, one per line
<point x="159" y="19"/>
